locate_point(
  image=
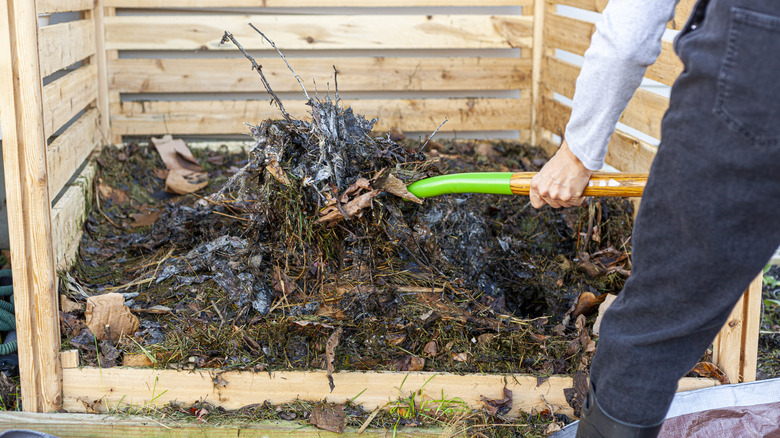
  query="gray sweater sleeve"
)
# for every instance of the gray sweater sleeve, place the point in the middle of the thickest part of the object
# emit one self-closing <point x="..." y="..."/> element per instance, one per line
<point x="626" y="42"/>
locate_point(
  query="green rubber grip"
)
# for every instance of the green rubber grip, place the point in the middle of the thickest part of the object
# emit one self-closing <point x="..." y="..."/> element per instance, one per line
<point x="475" y="182"/>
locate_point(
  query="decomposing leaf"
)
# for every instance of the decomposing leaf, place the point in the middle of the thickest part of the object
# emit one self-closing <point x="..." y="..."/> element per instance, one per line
<point x="587" y="303"/>
<point x="330" y="354"/>
<point x="608" y="300"/>
<point x="281" y="282"/>
<point x="330" y="311"/>
<point x="711" y="371"/>
<point x="182" y="182"/>
<point x="144" y="219"/>
<point x="175" y="154"/>
<point x="67" y="305"/>
<point x="575" y="396"/>
<point x="347" y="204"/>
<point x="431" y="349"/>
<point x="116" y="195"/>
<point x="329" y="417"/>
<point x="485" y="339"/>
<point x="108" y="318"/>
<point x="395" y="338"/>
<point x="410" y="363"/>
<point x="396" y="134"/>
<point x="276" y="171"/>
<point x="136" y="360"/>
<point x="501" y="406"/>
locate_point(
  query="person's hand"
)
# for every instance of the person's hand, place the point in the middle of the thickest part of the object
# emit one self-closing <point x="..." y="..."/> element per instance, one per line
<point x="561" y="181"/>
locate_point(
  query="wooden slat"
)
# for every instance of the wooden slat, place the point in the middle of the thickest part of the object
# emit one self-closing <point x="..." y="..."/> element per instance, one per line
<point x="307" y="32"/>
<point x="560" y="76"/>
<point x="100" y="60"/>
<point x="228" y="117"/>
<point x="625" y="152"/>
<point x="69" y="214"/>
<point x="105" y="389"/>
<point x="540" y="9"/>
<point x="355" y="74"/>
<point x="54" y="6"/>
<point x="69" y="359"/>
<point x="567" y="34"/>
<point x="588" y="5"/>
<point x="68" y="151"/>
<point x="65" y="97"/>
<point x="751" y="317"/>
<point x="63" y="44"/>
<point x="681" y="14"/>
<point x="305" y="3"/>
<point x="667" y="67"/>
<point x="28" y="208"/>
<point x="127" y="426"/>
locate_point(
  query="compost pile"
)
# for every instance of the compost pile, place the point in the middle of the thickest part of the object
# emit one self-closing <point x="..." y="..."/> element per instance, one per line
<point x="308" y="252"/>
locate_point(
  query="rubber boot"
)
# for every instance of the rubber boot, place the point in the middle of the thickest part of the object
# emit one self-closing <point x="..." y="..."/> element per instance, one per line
<point x="595" y="423"/>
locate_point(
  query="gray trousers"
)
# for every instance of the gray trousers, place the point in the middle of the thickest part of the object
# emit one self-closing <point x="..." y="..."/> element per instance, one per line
<point x="710" y="217"/>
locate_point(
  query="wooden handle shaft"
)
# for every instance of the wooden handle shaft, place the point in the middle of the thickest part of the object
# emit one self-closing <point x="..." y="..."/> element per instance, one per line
<point x="601" y="184"/>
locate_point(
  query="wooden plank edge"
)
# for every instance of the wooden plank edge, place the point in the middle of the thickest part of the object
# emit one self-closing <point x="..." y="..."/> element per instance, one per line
<point x="69" y="214"/>
<point x="105" y="390"/>
<point x="751" y="319"/>
<point x="68" y="151"/>
<point x="67" y="96"/>
<point x="124" y="426"/>
<point x="45" y="7"/>
<point x="69" y="359"/>
<point x="63" y="44"/>
<point x="168" y="4"/>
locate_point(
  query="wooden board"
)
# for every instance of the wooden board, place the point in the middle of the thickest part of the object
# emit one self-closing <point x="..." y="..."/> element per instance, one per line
<point x="228" y="117"/>
<point x="68" y="151"/>
<point x="667" y="67"/>
<point x="735" y="349"/>
<point x="106" y="389"/>
<point x="54" y="6"/>
<point x="312" y="32"/>
<point x="61" y="45"/>
<point x="28" y="207"/>
<point x="69" y="214"/>
<point x="355" y="74"/>
<point x="305" y="3"/>
<point x="152" y="426"/>
<point x="682" y="11"/>
<point x="65" y="97"/>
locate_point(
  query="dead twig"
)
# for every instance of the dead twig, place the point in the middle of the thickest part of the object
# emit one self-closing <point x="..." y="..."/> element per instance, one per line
<point x="259" y="69"/>
<point x="283" y="58"/>
<point x="422" y="148"/>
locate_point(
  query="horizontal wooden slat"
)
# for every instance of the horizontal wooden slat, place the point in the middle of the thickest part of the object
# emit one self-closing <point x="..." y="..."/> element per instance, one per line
<point x="290" y="32"/>
<point x="70" y="212"/>
<point x="567" y="33"/>
<point x="61" y="45"/>
<point x="104" y="389"/>
<point x="625" y="152"/>
<point x="228" y="117"/>
<point x="305" y="3"/>
<point x="667" y="67"/>
<point x="682" y="11"/>
<point x="53" y="6"/>
<point x="355" y="74"/>
<point x="65" y="97"/>
<point x="588" y="5"/>
<point x="69" y="150"/>
<point x="560" y="76"/>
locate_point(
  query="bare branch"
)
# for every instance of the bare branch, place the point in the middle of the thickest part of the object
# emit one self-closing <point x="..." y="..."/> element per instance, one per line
<point x="285" y="59"/>
<point x="258" y="68"/>
<point x="422" y="148"/>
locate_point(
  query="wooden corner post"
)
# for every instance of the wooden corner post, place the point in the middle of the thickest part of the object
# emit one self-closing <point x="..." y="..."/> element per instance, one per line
<point x="29" y="207"/>
<point x="536" y="73"/>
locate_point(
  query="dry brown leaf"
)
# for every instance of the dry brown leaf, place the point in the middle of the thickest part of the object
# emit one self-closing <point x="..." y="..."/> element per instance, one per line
<point x="330" y="354"/>
<point x="183" y="182"/>
<point x="332" y="213"/>
<point x="431" y="349"/>
<point x="144" y="219"/>
<point x="108" y="317"/>
<point x="67" y="305"/>
<point x="711" y="371"/>
<point x="276" y="171"/>
<point x="281" y="282"/>
<point x="395" y="338"/>
<point x="587" y="303"/>
<point x="416" y="363"/>
<point x="175" y="154"/>
<point x="329" y="417"/>
<point x="391" y="184"/>
<point x="330" y="311"/>
<point x="485" y="339"/>
<point x="136" y="360"/>
<point x="396" y="134"/>
<point x="501" y="406"/>
<point x="460" y="357"/>
<point x="608" y="300"/>
<point x="160" y="173"/>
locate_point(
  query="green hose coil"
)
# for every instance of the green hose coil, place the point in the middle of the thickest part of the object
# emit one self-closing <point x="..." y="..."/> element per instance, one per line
<point x="7" y="320"/>
<point x="475" y="182"/>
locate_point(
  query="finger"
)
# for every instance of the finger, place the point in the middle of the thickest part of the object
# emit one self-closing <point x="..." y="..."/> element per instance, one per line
<point x="576" y="202"/>
<point x="552" y="202"/>
<point x="536" y="200"/>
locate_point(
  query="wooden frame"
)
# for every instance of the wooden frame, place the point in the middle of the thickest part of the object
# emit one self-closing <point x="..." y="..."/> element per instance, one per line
<point x="52" y="130"/>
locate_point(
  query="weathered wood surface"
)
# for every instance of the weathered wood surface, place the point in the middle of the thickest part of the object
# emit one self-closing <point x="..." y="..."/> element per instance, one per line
<point x="354" y="74"/>
<point x="312" y="32"/>
<point x="69" y="214"/>
<point x="305" y="3"/>
<point x="228" y="117"/>
<point x="63" y="44"/>
<point x="106" y="389"/>
<point x="141" y="426"/>
<point x="735" y="349"/>
<point x="682" y="11"/>
<point x="28" y="207"/>
<point x="53" y="6"/>
<point x="65" y="97"/>
<point x="68" y="151"/>
<point x="100" y="60"/>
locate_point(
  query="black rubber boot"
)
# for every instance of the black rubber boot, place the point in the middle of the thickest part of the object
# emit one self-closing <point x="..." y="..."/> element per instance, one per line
<point x="595" y="423"/>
